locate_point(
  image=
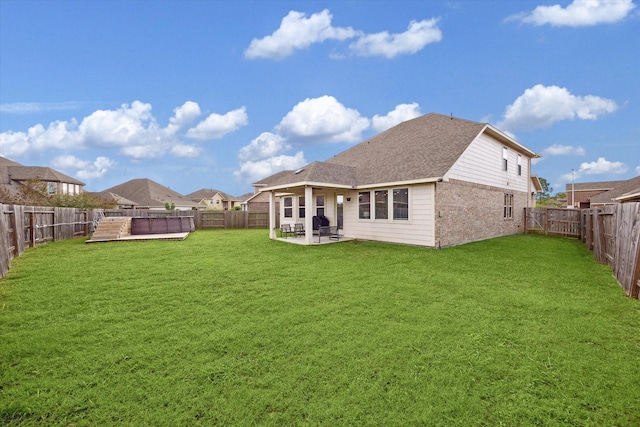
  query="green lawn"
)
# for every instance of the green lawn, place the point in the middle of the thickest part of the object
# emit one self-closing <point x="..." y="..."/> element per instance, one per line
<point x="230" y="328"/>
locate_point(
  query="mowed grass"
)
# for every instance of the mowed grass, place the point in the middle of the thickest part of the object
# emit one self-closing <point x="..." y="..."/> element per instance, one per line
<point x="230" y="328"/>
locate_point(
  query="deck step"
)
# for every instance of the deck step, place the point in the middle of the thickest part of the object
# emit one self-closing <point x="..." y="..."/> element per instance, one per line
<point x="110" y="228"/>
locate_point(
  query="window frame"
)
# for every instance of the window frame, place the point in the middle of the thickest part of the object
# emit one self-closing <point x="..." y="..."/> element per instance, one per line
<point x="507" y="206"/>
<point x="381" y="204"/>
<point x="387" y="209"/>
<point x="288" y="207"/>
<point x="505" y="159"/>
<point x="394" y="203"/>
<point x="519" y="165"/>
<point x="301" y="207"/>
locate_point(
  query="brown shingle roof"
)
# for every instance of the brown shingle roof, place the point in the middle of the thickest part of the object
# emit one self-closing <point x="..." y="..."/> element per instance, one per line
<point x="24" y="173"/>
<point x="622" y="187"/>
<point x="424" y="148"/>
<point x="146" y="192"/>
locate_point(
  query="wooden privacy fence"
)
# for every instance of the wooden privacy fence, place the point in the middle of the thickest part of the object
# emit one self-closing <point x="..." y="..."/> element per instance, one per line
<point x="22" y="227"/>
<point x="611" y="232"/>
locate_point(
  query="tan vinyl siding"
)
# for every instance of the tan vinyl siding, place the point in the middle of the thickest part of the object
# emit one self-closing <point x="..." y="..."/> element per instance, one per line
<point x="481" y="163"/>
<point x="418" y="230"/>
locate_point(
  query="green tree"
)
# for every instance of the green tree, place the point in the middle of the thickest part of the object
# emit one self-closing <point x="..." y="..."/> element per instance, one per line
<point x="547" y="189"/>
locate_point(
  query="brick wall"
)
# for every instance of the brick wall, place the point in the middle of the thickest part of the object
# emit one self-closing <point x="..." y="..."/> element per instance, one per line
<point x="467" y="212"/>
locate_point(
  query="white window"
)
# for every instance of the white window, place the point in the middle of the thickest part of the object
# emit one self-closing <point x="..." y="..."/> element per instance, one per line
<point x="382" y="204"/>
<point x="508" y="206"/>
<point x="519" y="165"/>
<point x="301" y="207"/>
<point x="320" y="205"/>
<point x="505" y="154"/>
<point x="364" y="205"/>
<point x="400" y="204"/>
<point x="288" y="207"/>
<point x="51" y="187"/>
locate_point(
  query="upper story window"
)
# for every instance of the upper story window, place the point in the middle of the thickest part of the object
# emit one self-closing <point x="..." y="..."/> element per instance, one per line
<point x="288" y="207"/>
<point x="519" y="165"/>
<point x="505" y="155"/>
<point x="52" y="187"/>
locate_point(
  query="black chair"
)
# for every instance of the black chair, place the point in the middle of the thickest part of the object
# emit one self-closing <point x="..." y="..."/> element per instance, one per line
<point x="285" y="230"/>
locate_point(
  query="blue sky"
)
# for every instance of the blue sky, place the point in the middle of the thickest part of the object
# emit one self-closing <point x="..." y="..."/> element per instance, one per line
<point x="219" y="94"/>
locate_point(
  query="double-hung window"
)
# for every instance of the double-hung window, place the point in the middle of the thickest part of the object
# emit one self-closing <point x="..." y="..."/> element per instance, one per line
<point x="400" y="204"/>
<point x="519" y="165"/>
<point x="301" y="207"/>
<point x="320" y="205"/>
<point x="508" y="206"/>
<point x="364" y="205"/>
<point x="382" y="204"/>
<point x="288" y="207"/>
<point x="505" y="155"/>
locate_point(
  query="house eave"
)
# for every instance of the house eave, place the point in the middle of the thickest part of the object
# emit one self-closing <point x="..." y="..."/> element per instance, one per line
<point x="508" y="141"/>
<point x="286" y="189"/>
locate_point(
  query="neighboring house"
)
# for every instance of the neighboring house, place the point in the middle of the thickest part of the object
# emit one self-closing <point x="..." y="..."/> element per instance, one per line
<point x="215" y="199"/>
<point x="431" y="181"/>
<point x="14" y="175"/>
<point x="579" y="194"/>
<point x="148" y="194"/>
<point x="259" y="202"/>
<point x="623" y="192"/>
<point x="121" y="202"/>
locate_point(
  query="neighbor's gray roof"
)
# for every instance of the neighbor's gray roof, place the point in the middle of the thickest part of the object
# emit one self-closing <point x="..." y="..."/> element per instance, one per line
<point x="422" y="148"/>
<point x="623" y="187"/>
<point x="146" y="192"/>
<point x="207" y="193"/>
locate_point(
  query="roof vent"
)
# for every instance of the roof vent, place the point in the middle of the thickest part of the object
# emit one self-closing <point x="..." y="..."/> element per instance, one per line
<point x="298" y="171"/>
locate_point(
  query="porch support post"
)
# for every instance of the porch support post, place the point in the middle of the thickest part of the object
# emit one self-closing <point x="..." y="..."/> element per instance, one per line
<point x="308" y="215"/>
<point x="272" y="215"/>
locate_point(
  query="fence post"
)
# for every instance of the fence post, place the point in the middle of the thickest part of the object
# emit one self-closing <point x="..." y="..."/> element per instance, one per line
<point x="32" y="229"/>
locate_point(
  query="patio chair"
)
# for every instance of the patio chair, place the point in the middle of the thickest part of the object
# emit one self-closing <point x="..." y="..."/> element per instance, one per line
<point x="298" y="229"/>
<point x="285" y="230"/>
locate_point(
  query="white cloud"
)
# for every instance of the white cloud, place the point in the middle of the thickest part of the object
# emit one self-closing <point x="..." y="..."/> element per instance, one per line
<point x="184" y="115"/>
<point x="541" y="106"/>
<point x="417" y="36"/>
<point x="638" y="170"/>
<point x="183" y="150"/>
<point x="401" y="113"/>
<point x="97" y="169"/>
<point x="322" y="119"/>
<point x="563" y="150"/>
<point x="297" y="31"/>
<point x="253" y="171"/>
<point x="216" y="125"/>
<point x="37" y="107"/>
<point x="84" y="169"/>
<point x="266" y="145"/>
<point x="601" y="166"/>
<point x="129" y="124"/>
<point x="578" y="13"/>
<point x="130" y="128"/>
